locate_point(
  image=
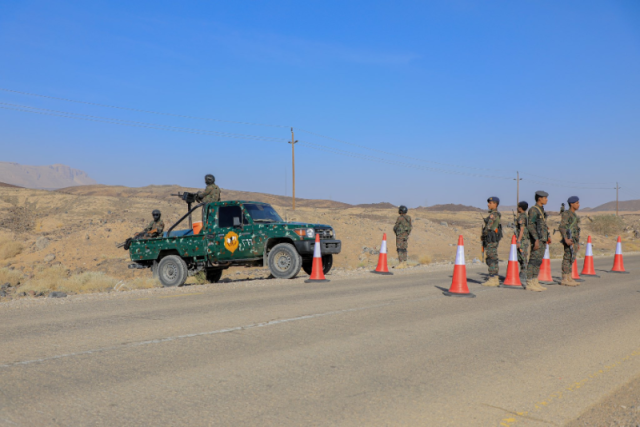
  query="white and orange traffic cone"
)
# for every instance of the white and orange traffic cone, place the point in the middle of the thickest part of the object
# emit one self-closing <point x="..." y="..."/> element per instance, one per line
<point x="574" y="272"/>
<point x="382" y="267"/>
<point x="545" y="267"/>
<point x="512" y="281"/>
<point x="618" y="262"/>
<point x="459" y="286"/>
<point x="317" y="269"/>
<point x="588" y="269"/>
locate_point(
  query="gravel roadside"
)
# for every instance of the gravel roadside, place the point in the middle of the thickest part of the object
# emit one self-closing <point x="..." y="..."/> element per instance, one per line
<point x="620" y="408"/>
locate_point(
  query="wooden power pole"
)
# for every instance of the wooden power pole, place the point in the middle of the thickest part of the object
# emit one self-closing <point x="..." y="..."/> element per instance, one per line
<point x="518" y="179"/>
<point x="293" y="168"/>
<point x="617" y="189"/>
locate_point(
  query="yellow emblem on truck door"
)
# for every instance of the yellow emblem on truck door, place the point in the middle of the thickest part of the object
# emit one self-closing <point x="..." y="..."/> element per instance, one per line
<point x="231" y="241"/>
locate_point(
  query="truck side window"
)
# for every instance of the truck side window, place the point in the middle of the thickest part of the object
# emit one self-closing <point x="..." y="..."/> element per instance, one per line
<point x="226" y="215"/>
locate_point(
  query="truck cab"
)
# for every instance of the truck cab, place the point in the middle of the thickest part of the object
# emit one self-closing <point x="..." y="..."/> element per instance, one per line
<point x="234" y="233"/>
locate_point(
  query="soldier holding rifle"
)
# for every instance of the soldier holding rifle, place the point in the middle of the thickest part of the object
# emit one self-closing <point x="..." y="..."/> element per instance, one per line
<point x="539" y="237"/>
<point x="570" y="230"/>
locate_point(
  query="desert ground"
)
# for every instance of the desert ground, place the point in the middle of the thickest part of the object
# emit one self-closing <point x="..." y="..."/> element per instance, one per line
<point x="49" y="237"/>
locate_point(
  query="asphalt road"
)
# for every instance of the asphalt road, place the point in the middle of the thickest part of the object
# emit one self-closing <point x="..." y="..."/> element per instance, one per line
<point x="366" y="351"/>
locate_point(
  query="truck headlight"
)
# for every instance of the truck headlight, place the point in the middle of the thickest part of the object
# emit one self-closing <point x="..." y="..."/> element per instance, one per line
<point x="311" y="233"/>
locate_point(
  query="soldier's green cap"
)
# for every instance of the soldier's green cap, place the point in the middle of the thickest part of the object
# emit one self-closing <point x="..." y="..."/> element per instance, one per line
<point x="494" y="199"/>
<point x="542" y="194"/>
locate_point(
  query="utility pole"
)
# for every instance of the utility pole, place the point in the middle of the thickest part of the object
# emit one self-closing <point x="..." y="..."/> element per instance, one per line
<point x="617" y="189"/>
<point x="293" y="167"/>
<point x="518" y="179"/>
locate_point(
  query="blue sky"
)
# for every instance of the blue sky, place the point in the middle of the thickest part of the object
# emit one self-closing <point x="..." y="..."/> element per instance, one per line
<point x="435" y="102"/>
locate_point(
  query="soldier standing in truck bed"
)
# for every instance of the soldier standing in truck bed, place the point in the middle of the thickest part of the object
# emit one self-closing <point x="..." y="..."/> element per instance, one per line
<point x="491" y="235"/>
<point x="539" y="234"/>
<point x="402" y="228"/>
<point x="570" y="230"/>
<point x="211" y="193"/>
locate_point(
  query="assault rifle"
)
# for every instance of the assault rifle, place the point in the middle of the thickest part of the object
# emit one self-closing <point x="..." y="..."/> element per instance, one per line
<point x="482" y="236"/>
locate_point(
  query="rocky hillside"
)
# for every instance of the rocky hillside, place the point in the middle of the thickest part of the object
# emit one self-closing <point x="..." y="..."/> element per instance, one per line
<point x="625" y="206"/>
<point x="47" y="177"/>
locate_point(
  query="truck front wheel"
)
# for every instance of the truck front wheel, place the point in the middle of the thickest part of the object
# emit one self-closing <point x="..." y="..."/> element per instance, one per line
<point x="172" y="271"/>
<point x="284" y="261"/>
<point x="327" y="263"/>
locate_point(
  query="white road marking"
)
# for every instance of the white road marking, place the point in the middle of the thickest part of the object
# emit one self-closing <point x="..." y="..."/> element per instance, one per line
<point x="199" y="334"/>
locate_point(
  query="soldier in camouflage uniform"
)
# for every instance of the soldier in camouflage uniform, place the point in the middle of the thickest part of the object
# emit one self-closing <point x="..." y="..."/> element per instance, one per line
<point x="155" y="227"/>
<point x="491" y="235"/>
<point x="211" y="193"/>
<point x="402" y="229"/>
<point x="539" y="236"/>
<point x="522" y="237"/>
<point x="570" y="230"/>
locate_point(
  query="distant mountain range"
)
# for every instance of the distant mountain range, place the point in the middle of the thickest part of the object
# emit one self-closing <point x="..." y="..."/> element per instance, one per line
<point x="43" y="177"/>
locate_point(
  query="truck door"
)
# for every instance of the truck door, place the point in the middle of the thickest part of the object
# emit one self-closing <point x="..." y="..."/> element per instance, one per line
<point x="233" y="236"/>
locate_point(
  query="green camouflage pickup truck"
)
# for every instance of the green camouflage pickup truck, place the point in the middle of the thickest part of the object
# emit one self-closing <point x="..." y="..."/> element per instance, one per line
<point x="234" y="233"/>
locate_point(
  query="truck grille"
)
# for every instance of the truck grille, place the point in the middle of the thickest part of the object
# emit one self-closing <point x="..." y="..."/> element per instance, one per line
<point x="324" y="233"/>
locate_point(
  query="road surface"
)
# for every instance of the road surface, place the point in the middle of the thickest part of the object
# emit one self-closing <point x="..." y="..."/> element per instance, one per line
<point x="371" y="350"/>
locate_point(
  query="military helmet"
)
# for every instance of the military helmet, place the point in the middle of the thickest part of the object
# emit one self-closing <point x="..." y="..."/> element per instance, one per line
<point x="209" y="179"/>
<point x="156" y="214"/>
<point x="402" y="209"/>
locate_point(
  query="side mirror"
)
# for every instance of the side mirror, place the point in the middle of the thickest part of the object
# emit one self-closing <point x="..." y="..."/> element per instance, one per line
<point x="236" y="222"/>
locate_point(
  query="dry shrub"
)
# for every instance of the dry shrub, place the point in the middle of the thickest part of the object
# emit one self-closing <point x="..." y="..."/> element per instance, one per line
<point x="57" y="278"/>
<point x="425" y="259"/>
<point x="607" y="224"/>
<point x="143" y="283"/>
<point x="10" y="248"/>
<point x="9" y="276"/>
<point x="90" y="281"/>
<point x="200" y="278"/>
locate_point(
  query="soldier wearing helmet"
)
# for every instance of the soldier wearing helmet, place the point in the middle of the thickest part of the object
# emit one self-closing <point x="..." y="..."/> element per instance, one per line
<point x="491" y="235"/>
<point x="402" y="229"/>
<point x="211" y="193"/>
<point x="155" y="227"/>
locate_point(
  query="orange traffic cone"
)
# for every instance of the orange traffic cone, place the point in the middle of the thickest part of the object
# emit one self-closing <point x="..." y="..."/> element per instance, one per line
<point x="317" y="269"/>
<point x="574" y="272"/>
<point x="545" y="267"/>
<point x="459" y="286"/>
<point x="382" y="258"/>
<point x="618" y="262"/>
<point x="512" y="281"/>
<point x="588" y="269"/>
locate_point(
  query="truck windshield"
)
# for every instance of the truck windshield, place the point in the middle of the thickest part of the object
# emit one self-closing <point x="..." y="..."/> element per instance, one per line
<point x="262" y="213"/>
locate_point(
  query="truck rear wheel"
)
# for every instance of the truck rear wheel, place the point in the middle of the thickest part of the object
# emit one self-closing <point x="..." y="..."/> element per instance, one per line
<point x="172" y="271"/>
<point x="214" y="275"/>
<point x="284" y="261"/>
<point x="327" y="263"/>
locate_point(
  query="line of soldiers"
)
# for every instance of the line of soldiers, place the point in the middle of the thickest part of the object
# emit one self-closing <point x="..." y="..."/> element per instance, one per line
<point x="532" y="233"/>
<point x="210" y="194"/>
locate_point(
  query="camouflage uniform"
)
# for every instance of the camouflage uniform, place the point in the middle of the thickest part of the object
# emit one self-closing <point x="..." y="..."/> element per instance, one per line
<point x="491" y="234"/>
<point x="210" y="194"/>
<point x="523" y="253"/>
<point x="155" y="226"/>
<point x="536" y="215"/>
<point x="569" y="221"/>
<point x="402" y="229"/>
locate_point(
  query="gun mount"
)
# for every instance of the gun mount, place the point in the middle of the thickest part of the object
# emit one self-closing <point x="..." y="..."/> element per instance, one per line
<point x="189" y="198"/>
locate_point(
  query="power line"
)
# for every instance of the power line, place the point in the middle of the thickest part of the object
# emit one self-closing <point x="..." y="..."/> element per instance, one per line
<point x="87" y="117"/>
<point x="108" y="120"/>
<point x="139" y="110"/>
<point x="551" y="182"/>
